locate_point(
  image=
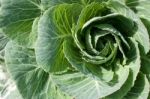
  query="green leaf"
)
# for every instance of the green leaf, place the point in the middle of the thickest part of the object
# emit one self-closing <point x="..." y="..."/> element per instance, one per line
<point x="141" y="34"/>
<point x="55" y="26"/>
<point x="146" y="22"/>
<point x="140" y="7"/>
<point x="124" y="89"/>
<point x="121" y="1"/>
<point x="141" y="88"/>
<point x="82" y="86"/>
<point x="16" y="19"/>
<point x="48" y="3"/>
<point x="90" y="11"/>
<point x="31" y="80"/>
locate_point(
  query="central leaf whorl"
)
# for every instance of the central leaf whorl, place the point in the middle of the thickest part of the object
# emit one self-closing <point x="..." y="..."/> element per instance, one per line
<point x="101" y="41"/>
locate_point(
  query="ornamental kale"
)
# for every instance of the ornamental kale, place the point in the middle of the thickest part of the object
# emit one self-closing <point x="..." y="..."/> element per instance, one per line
<point x="77" y="49"/>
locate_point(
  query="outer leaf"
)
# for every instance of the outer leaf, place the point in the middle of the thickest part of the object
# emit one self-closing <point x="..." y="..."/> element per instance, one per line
<point x="141" y="88"/>
<point x="33" y="33"/>
<point x="141" y="35"/>
<point x="49" y="3"/>
<point x="16" y="19"/>
<point x="10" y="91"/>
<point x="3" y="78"/>
<point x="121" y="1"/>
<point x="146" y="23"/>
<point x="13" y="95"/>
<point x="3" y="42"/>
<point x="54" y="27"/>
<point x="140" y="7"/>
<point x="83" y="87"/>
<point x="32" y="81"/>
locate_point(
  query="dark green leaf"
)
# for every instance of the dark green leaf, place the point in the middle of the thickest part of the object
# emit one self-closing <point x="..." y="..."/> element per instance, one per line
<point x="16" y="19"/>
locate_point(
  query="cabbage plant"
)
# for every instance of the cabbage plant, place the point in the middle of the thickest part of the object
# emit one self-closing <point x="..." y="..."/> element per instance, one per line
<point x="78" y="49"/>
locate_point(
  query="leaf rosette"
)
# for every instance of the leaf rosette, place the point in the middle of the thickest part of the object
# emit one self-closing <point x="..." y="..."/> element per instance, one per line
<point x="91" y="48"/>
<point x="77" y="49"/>
<point x="100" y="38"/>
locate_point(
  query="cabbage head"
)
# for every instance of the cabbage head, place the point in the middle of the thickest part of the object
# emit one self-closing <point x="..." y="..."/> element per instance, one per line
<point x="77" y="49"/>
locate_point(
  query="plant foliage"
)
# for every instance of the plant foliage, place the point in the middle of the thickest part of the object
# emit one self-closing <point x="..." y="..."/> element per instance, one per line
<point x="77" y="49"/>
